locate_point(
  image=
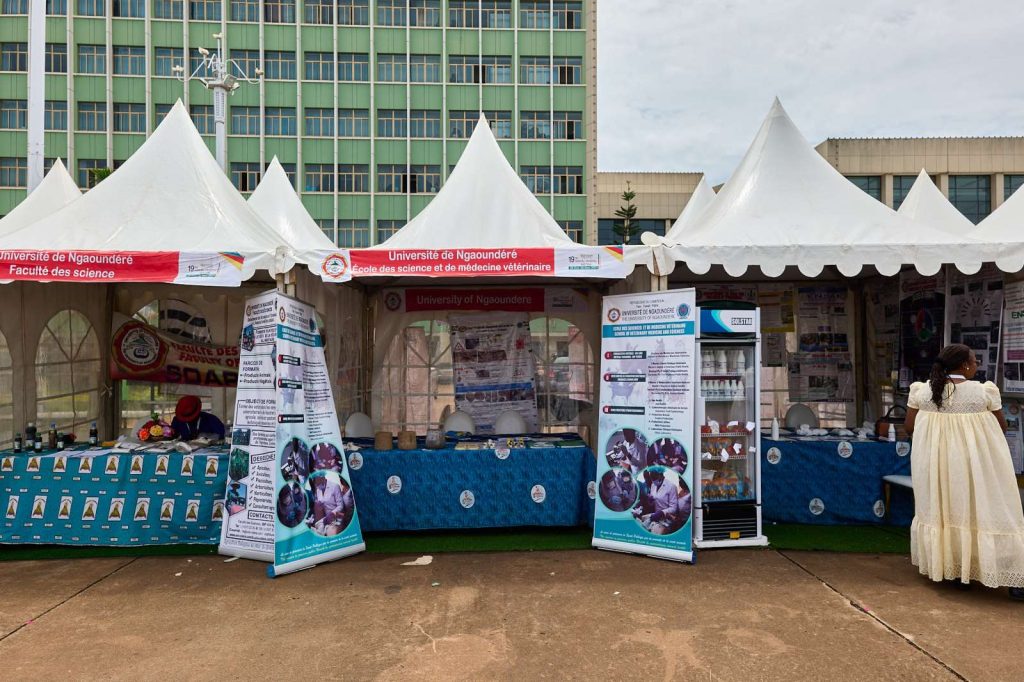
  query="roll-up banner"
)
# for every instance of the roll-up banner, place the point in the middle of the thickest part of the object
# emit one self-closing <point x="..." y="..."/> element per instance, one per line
<point x="316" y="519"/>
<point x="289" y="497"/>
<point x="646" y="425"/>
<point x="248" y="529"/>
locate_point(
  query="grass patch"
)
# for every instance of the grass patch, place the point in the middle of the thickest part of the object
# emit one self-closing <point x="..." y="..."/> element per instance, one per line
<point x="866" y="539"/>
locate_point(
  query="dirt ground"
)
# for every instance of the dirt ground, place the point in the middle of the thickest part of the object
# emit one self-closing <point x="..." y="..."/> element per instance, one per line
<point x="735" y="615"/>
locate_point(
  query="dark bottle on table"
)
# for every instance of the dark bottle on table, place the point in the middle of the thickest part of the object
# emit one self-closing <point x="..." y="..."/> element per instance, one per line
<point x="60" y="440"/>
<point x="51" y="436"/>
<point x="94" y="435"/>
<point x="30" y="435"/>
<point x="17" y="442"/>
<point x="38" y="445"/>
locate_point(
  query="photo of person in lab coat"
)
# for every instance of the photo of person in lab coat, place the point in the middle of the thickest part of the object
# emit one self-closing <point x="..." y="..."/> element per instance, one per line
<point x="669" y="453"/>
<point x="617" y="490"/>
<point x="627" y="448"/>
<point x="333" y="503"/>
<point x="658" y="508"/>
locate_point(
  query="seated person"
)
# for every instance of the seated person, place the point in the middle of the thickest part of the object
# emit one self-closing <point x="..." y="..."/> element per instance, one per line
<point x="190" y="421"/>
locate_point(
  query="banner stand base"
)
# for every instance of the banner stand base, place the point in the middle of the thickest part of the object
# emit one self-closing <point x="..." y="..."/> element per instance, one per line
<point x="653" y="552"/>
<point x="276" y="570"/>
<point x="242" y="553"/>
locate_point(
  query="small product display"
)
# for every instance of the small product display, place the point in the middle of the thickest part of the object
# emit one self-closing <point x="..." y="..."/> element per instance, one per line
<point x="155" y="430"/>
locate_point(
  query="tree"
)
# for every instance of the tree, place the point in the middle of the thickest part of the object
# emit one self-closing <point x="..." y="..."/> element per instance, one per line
<point x="98" y="175"/>
<point x="628" y="225"/>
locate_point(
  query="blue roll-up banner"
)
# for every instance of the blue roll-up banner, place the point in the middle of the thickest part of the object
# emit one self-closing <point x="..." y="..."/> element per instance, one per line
<point x="315" y="516"/>
<point x="644" y="469"/>
<point x="289" y="496"/>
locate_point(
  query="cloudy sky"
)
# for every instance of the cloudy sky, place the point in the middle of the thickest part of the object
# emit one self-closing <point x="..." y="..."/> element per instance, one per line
<point x="684" y="84"/>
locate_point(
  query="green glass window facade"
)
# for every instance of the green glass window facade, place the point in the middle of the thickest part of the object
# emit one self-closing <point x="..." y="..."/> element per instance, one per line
<point x="372" y="102"/>
<point x="13" y="114"/>
<point x="871" y="184"/>
<point x="13" y="171"/>
<point x="1011" y="183"/>
<point x="901" y="185"/>
<point x="972" y="195"/>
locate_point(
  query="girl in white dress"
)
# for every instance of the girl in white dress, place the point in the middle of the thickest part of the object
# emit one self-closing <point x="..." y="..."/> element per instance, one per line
<point x="968" y="523"/>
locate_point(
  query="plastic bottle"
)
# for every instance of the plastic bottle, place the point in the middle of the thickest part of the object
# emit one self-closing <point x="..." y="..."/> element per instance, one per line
<point x="741" y="362"/>
<point x="17" y="442"/>
<point x="94" y="435"/>
<point x="60" y="440"/>
<point x="51" y="436"/>
<point x="741" y="389"/>
<point x="721" y="361"/>
<point x="707" y="361"/>
<point x="30" y="434"/>
<point x="892" y="433"/>
<point x="775" y="428"/>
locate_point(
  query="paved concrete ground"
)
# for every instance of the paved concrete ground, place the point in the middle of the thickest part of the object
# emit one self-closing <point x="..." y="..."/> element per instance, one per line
<point x="736" y="615"/>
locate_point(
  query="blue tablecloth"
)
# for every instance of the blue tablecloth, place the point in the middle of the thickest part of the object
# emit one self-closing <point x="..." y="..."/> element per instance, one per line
<point x="810" y="482"/>
<point x="504" y="491"/>
<point x="98" y="497"/>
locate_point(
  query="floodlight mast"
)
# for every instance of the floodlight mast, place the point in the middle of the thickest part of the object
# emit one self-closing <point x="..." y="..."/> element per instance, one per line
<point x="222" y="82"/>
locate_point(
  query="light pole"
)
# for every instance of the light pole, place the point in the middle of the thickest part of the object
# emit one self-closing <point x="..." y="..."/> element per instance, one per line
<point x="218" y="79"/>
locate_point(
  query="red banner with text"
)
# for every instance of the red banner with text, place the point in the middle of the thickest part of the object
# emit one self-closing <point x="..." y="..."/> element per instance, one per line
<point x="140" y="352"/>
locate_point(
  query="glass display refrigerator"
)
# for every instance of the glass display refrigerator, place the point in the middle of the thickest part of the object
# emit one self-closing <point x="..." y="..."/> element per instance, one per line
<point x="727" y="475"/>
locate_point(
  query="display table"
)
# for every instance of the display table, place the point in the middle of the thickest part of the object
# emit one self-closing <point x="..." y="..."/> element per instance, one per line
<point x="425" y="489"/>
<point x="821" y="481"/>
<point x="102" y="497"/>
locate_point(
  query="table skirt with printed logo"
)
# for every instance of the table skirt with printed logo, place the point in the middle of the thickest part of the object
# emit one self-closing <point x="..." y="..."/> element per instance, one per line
<point x="834" y="482"/>
<point x="460" y="489"/>
<point x="102" y="497"/>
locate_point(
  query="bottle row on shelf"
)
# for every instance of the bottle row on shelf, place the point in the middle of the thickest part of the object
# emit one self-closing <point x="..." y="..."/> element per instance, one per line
<point x="722" y="389"/>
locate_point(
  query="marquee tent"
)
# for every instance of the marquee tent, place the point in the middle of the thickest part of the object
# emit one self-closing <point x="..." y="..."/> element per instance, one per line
<point x="786" y="206"/>
<point x="701" y="198"/>
<point x="928" y="207"/>
<point x="56" y="190"/>
<point x="484" y="222"/>
<point x="1003" y="233"/>
<point x="275" y="201"/>
<point x="168" y="214"/>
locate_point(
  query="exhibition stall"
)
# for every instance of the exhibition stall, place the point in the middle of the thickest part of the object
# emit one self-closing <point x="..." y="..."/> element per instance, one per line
<point x="167" y="251"/>
<point x="855" y="301"/>
<point x="517" y="343"/>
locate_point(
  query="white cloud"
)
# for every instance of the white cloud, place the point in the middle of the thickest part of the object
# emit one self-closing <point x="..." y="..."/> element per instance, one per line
<point x="684" y="84"/>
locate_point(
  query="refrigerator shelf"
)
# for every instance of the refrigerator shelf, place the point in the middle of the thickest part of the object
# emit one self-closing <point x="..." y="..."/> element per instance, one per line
<point x="717" y="375"/>
<point x="735" y="434"/>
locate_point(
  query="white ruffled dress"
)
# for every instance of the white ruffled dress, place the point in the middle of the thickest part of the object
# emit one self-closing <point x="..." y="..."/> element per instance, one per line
<point x="968" y="521"/>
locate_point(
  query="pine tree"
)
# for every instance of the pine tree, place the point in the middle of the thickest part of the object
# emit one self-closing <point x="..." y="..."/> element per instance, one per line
<point x="626" y="227"/>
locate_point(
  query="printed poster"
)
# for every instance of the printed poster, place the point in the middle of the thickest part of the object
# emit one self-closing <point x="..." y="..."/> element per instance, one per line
<point x="315" y="513"/>
<point x="975" y="308"/>
<point x="727" y="296"/>
<point x="821" y="378"/>
<point x="821" y="370"/>
<point x="777" y="308"/>
<point x="140" y="352"/>
<point x="492" y="356"/>
<point x="1012" y="411"/>
<point x="922" y="320"/>
<point x="1013" y="338"/>
<point x="248" y="529"/>
<point x="645" y="429"/>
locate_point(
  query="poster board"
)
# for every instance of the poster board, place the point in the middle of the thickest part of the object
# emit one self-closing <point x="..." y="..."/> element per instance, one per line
<point x="494" y="367"/>
<point x="644" y="472"/>
<point x="1013" y="337"/>
<point x="974" y="312"/>
<point x="922" y="320"/>
<point x="821" y="370"/>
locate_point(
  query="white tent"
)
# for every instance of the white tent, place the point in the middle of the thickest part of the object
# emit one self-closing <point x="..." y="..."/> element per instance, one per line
<point x="786" y="206"/>
<point x="483" y="204"/>
<point x="1003" y="234"/>
<point x="927" y="206"/>
<point x="169" y="196"/>
<point x="275" y="201"/>
<point x="56" y="191"/>
<point x="701" y="198"/>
